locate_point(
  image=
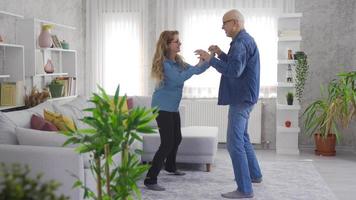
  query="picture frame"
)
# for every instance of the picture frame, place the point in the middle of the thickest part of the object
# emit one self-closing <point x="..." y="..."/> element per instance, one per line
<point x="56" y="43"/>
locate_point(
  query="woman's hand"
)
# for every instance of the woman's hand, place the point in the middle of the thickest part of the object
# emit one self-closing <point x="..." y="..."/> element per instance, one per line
<point x="203" y="55"/>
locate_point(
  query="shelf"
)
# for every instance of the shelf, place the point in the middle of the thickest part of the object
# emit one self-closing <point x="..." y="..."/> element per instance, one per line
<point x="290" y="39"/>
<point x="282" y="129"/>
<point x="4" y="76"/>
<point x="55" y="24"/>
<point x="52" y="74"/>
<point x="57" y="49"/>
<point x="286" y="62"/>
<point x="63" y="98"/>
<point x="11" y="14"/>
<point x="290" y="15"/>
<point x="285" y="84"/>
<point x="11" y="45"/>
<point x="10" y="107"/>
<point x="287" y="107"/>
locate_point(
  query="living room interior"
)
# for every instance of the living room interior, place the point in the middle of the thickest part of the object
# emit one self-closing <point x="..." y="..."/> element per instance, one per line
<point x="55" y="54"/>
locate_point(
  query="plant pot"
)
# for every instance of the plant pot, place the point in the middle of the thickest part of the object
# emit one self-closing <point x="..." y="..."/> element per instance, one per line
<point x="290" y="101"/>
<point x="325" y="146"/>
<point x="56" y="90"/>
<point x="299" y="54"/>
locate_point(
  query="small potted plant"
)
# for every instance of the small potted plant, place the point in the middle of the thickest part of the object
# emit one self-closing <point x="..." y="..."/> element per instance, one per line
<point x="55" y="88"/>
<point x="290" y="97"/>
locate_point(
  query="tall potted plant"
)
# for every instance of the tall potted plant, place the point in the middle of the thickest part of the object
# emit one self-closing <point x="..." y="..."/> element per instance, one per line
<point x="324" y="117"/>
<point x="113" y="130"/>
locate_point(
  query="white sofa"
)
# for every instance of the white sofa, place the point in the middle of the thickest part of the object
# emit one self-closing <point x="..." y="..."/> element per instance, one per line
<point x="44" y="153"/>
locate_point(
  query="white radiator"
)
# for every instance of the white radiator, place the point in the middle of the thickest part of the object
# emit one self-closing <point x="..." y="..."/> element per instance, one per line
<point x="206" y="112"/>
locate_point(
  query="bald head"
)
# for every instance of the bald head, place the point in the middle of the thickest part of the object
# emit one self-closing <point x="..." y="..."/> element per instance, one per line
<point x="236" y="15"/>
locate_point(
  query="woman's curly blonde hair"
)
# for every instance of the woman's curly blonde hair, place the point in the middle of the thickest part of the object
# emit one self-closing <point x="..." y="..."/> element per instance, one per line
<point x="162" y="51"/>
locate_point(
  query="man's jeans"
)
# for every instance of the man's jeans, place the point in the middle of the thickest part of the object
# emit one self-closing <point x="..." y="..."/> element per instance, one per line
<point x="240" y="148"/>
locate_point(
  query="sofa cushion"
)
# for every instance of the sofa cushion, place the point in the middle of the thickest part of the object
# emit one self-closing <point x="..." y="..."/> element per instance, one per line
<point x="33" y="137"/>
<point x="60" y="121"/>
<point x="74" y="109"/>
<point x="20" y="118"/>
<point x="144" y="101"/>
<point x="40" y="107"/>
<point x="7" y="130"/>
<point x="39" y="123"/>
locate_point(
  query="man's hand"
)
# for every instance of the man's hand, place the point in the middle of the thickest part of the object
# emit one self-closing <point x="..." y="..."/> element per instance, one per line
<point x="215" y="49"/>
<point x="205" y="56"/>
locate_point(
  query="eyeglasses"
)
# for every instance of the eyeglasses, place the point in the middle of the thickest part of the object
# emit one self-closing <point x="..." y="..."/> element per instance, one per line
<point x="229" y="20"/>
<point x="178" y="42"/>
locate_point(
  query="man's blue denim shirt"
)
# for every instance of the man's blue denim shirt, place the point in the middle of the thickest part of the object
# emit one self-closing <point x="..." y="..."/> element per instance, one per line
<point x="240" y="71"/>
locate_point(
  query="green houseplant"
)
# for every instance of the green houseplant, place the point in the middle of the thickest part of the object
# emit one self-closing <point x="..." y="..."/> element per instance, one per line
<point x="301" y="73"/>
<point x="56" y="88"/>
<point x="113" y="130"/>
<point x="290" y="97"/>
<point x="324" y="117"/>
<point x="15" y="184"/>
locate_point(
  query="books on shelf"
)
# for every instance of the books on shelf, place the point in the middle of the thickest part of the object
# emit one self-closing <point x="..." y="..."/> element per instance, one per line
<point x="8" y="94"/>
<point x="69" y="85"/>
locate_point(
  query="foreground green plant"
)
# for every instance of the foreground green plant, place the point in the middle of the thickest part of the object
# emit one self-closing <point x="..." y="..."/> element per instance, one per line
<point x="15" y="184"/>
<point x="113" y="130"/>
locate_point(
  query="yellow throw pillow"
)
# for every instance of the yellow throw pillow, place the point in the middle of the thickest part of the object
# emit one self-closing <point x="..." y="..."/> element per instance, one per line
<point x="124" y="107"/>
<point x="59" y="120"/>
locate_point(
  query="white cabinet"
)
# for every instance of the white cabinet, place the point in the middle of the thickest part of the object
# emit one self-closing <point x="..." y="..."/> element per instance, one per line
<point x="64" y="60"/>
<point x="289" y="39"/>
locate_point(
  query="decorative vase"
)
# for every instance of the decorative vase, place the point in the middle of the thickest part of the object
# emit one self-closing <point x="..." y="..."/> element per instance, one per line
<point x="45" y="39"/>
<point x="56" y="90"/>
<point x="49" y="68"/>
<point x="65" y="45"/>
<point x="288" y="123"/>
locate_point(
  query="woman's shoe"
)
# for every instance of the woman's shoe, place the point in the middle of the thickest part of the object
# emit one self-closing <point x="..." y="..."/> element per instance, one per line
<point x="176" y="173"/>
<point x="154" y="187"/>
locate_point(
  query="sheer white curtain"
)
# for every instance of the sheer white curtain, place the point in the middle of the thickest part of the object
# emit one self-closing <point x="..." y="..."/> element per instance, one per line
<point x="199" y="23"/>
<point x="121" y="38"/>
<point x="116" y="45"/>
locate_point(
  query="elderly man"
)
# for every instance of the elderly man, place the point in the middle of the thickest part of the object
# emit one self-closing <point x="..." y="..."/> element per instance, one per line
<point x="239" y="88"/>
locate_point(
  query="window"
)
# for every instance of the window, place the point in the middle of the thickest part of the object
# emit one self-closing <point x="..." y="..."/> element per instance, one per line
<point x="122" y="54"/>
<point x="203" y="28"/>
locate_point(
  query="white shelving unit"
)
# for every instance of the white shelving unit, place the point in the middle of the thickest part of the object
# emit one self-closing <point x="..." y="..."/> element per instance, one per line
<point x="64" y="60"/>
<point x="289" y="38"/>
<point x="12" y="69"/>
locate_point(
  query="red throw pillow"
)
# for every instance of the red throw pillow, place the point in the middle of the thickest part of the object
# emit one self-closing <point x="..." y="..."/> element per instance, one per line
<point x="39" y="123"/>
<point x="129" y="102"/>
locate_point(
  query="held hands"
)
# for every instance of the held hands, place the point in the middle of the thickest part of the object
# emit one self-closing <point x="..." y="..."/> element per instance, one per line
<point x="203" y="55"/>
<point x="214" y="49"/>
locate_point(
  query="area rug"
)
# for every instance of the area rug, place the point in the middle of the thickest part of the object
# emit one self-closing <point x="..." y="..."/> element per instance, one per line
<point x="282" y="180"/>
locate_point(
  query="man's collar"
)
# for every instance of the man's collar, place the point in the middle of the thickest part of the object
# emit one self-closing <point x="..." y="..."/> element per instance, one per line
<point x="239" y="34"/>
